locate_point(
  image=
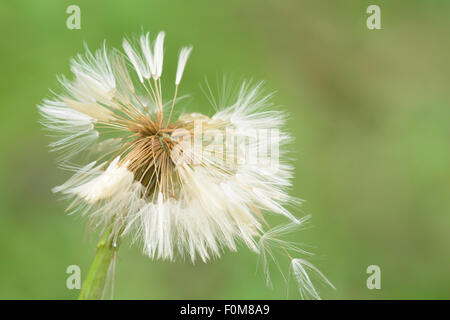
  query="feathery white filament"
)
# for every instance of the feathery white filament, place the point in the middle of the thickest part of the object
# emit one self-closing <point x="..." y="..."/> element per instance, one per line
<point x="182" y="59"/>
<point x="142" y="69"/>
<point x="159" y="54"/>
<point x="95" y="111"/>
<point x="95" y="70"/>
<point x="75" y="130"/>
<point x="113" y="180"/>
<point x="147" y="50"/>
<point x="305" y="286"/>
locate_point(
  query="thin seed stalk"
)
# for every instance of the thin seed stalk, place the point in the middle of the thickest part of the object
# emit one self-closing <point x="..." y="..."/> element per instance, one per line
<point x="95" y="283"/>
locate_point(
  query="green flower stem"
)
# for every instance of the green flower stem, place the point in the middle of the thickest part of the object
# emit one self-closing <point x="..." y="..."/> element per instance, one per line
<point x="95" y="282"/>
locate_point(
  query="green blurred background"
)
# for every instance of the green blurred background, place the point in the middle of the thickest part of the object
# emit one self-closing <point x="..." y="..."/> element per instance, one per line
<point x="369" y="110"/>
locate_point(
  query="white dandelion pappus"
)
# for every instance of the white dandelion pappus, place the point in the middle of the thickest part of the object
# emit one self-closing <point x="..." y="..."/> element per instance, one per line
<point x="186" y="188"/>
<point x="184" y="56"/>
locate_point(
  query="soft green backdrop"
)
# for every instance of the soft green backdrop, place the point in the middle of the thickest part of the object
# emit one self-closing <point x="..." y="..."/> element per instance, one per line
<point x="370" y="112"/>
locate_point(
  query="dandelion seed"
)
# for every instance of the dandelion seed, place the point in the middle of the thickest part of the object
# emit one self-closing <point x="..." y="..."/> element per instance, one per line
<point x="159" y="53"/>
<point x="183" y="188"/>
<point x="184" y="55"/>
<point x="305" y="286"/>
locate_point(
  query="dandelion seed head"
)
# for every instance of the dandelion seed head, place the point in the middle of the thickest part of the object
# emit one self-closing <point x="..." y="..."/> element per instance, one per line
<point x="184" y="187"/>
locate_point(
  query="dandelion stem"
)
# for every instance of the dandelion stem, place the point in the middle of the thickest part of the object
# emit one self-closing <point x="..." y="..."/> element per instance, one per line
<point x="95" y="282"/>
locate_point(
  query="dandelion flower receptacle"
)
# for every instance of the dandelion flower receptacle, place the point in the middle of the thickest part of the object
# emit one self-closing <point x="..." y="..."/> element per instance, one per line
<point x="184" y="187"/>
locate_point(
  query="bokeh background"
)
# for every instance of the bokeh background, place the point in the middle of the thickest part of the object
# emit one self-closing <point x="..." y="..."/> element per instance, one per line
<point x="370" y="113"/>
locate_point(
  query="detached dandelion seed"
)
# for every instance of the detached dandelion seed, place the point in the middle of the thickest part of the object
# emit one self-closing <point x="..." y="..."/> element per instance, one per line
<point x="184" y="188"/>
